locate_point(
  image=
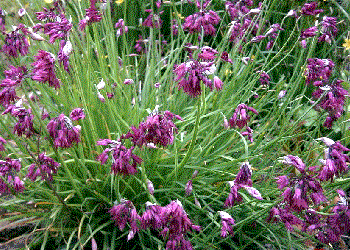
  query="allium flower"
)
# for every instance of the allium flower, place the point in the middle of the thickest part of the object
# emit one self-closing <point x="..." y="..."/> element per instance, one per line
<point x="58" y="29"/>
<point x="150" y="187"/>
<point x="47" y="168"/>
<point x="128" y="81"/>
<point x="24" y="125"/>
<point x="295" y="161"/>
<point x="140" y="46"/>
<point x="318" y="71"/>
<point x="202" y="21"/>
<point x="332" y="102"/>
<point x="63" y="54"/>
<point x="14" y="77"/>
<point x="10" y="181"/>
<point x="335" y="162"/>
<point x="123" y="213"/>
<point x="226" y="57"/>
<point x="92" y="16"/>
<point x="63" y="132"/>
<point x="284" y="215"/>
<point x="77" y="114"/>
<point x="329" y="29"/>
<point x="309" y="32"/>
<point x="2" y="142"/>
<point x="189" y="187"/>
<point x="121" y="28"/>
<point x="16" y="43"/>
<point x="151" y="218"/>
<point x="153" y="20"/>
<point x="2" y="20"/>
<point x="175" y="27"/>
<point x="44" y="69"/>
<point x="264" y="78"/>
<point x="240" y="117"/>
<point x="124" y="161"/>
<point x="207" y="53"/>
<point x="158" y="129"/>
<point x="309" y="9"/>
<point x="191" y="74"/>
<point x="227" y="224"/>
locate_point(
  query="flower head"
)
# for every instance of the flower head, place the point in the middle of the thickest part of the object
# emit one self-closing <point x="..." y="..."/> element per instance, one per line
<point x="44" y="167"/>
<point x="16" y="43"/>
<point x="227" y="224"/>
<point x="10" y="181"/>
<point x="77" y="114"/>
<point x="92" y="16"/>
<point x="63" y="132"/>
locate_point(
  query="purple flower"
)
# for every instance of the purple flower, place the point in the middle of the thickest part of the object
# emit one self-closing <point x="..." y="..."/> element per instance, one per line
<point x="77" y="114"/>
<point x="264" y="78"/>
<point x="189" y="187"/>
<point x="207" y="53"/>
<point x="191" y="74"/>
<point x="175" y="27"/>
<point x="158" y="129"/>
<point x="309" y="32"/>
<point x="153" y="20"/>
<point x="2" y="142"/>
<point x="227" y="224"/>
<point x="58" y="29"/>
<point x="24" y="125"/>
<point x="44" y="167"/>
<point x="63" y="132"/>
<point x="14" y="77"/>
<point x="124" y="213"/>
<point x="151" y="218"/>
<point x="121" y="28"/>
<point x="329" y="29"/>
<point x="309" y="9"/>
<point x="284" y="215"/>
<point x="203" y="20"/>
<point x="295" y="161"/>
<point x="150" y="187"/>
<point x="44" y="69"/>
<point x="140" y="46"/>
<point x="63" y="54"/>
<point x="128" y="81"/>
<point x="240" y="117"/>
<point x="92" y="16"/>
<point x="318" y="71"/>
<point x="16" y="43"/>
<point x="225" y="57"/>
<point x="123" y="160"/>
<point x="10" y="181"/>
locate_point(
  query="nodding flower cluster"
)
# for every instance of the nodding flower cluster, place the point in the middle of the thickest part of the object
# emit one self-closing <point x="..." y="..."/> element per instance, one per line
<point x="243" y="180"/>
<point x="153" y="20"/>
<point x="16" y="43"/>
<point x="303" y="195"/>
<point x="44" y="167"/>
<point x="171" y="221"/>
<point x="24" y="125"/>
<point x="202" y="21"/>
<point x="157" y="129"/>
<point x="63" y="132"/>
<point x="9" y="182"/>
<point x="14" y="77"/>
<point x="332" y="95"/>
<point x="2" y="143"/>
<point x="189" y="75"/>
<point x="240" y="119"/>
<point x="92" y="16"/>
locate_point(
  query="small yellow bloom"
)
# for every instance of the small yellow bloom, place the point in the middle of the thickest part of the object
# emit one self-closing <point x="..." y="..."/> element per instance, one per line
<point x="346" y="45"/>
<point x="48" y="1"/>
<point x="119" y="1"/>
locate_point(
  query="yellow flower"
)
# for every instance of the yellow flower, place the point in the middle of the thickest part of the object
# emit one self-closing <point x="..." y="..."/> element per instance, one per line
<point x="48" y="1"/>
<point x="119" y="1"/>
<point x="346" y="45"/>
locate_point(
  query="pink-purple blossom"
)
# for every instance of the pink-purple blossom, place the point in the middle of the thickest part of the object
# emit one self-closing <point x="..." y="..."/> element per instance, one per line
<point x="16" y="43"/>
<point x="92" y="16"/>
<point x="10" y="181"/>
<point x="227" y="224"/>
<point x="62" y="131"/>
<point x="24" y="124"/>
<point x="2" y="143"/>
<point x="44" y="167"/>
<point x="77" y="114"/>
<point x="310" y="9"/>
<point x="121" y="28"/>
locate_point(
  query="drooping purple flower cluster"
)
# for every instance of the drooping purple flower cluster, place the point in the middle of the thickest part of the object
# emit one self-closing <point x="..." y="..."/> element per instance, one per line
<point x="92" y="16"/>
<point x="16" y="43"/>
<point x="121" y="28"/>
<point x="240" y="119"/>
<point x="2" y="143"/>
<point x="24" y="125"/>
<point x="153" y="20"/>
<point x="44" y="69"/>
<point x="190" y="74"/>
<point x="14" y="76"/>
<point x="318" y="71"/>
<point x="77" y="114"/>
<point x="123" y="213"/>
<point x="172" y="222"/>
<point x="243" y="180"/>
<point x="264" y="78"/>
<point x="63" y="132"/>
<point x="227" y="224"/>
<point x="43" y="167"/>
<point x="202" y="21"/>
<point x="123" y="160"/>
<point x="58" y="29"/>
<point x="328" y="29"/>
<point x="310" y="9"/>
<point x="158" y="129"/>
<point x="335" y="162"/>
<point x="64" y="52"/>
<point x="9" y="181"/>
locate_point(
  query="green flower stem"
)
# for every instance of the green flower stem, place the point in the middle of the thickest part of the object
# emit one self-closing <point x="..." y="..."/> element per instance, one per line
<point x="145" y="180"/>
<point x="193" y="141"/>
